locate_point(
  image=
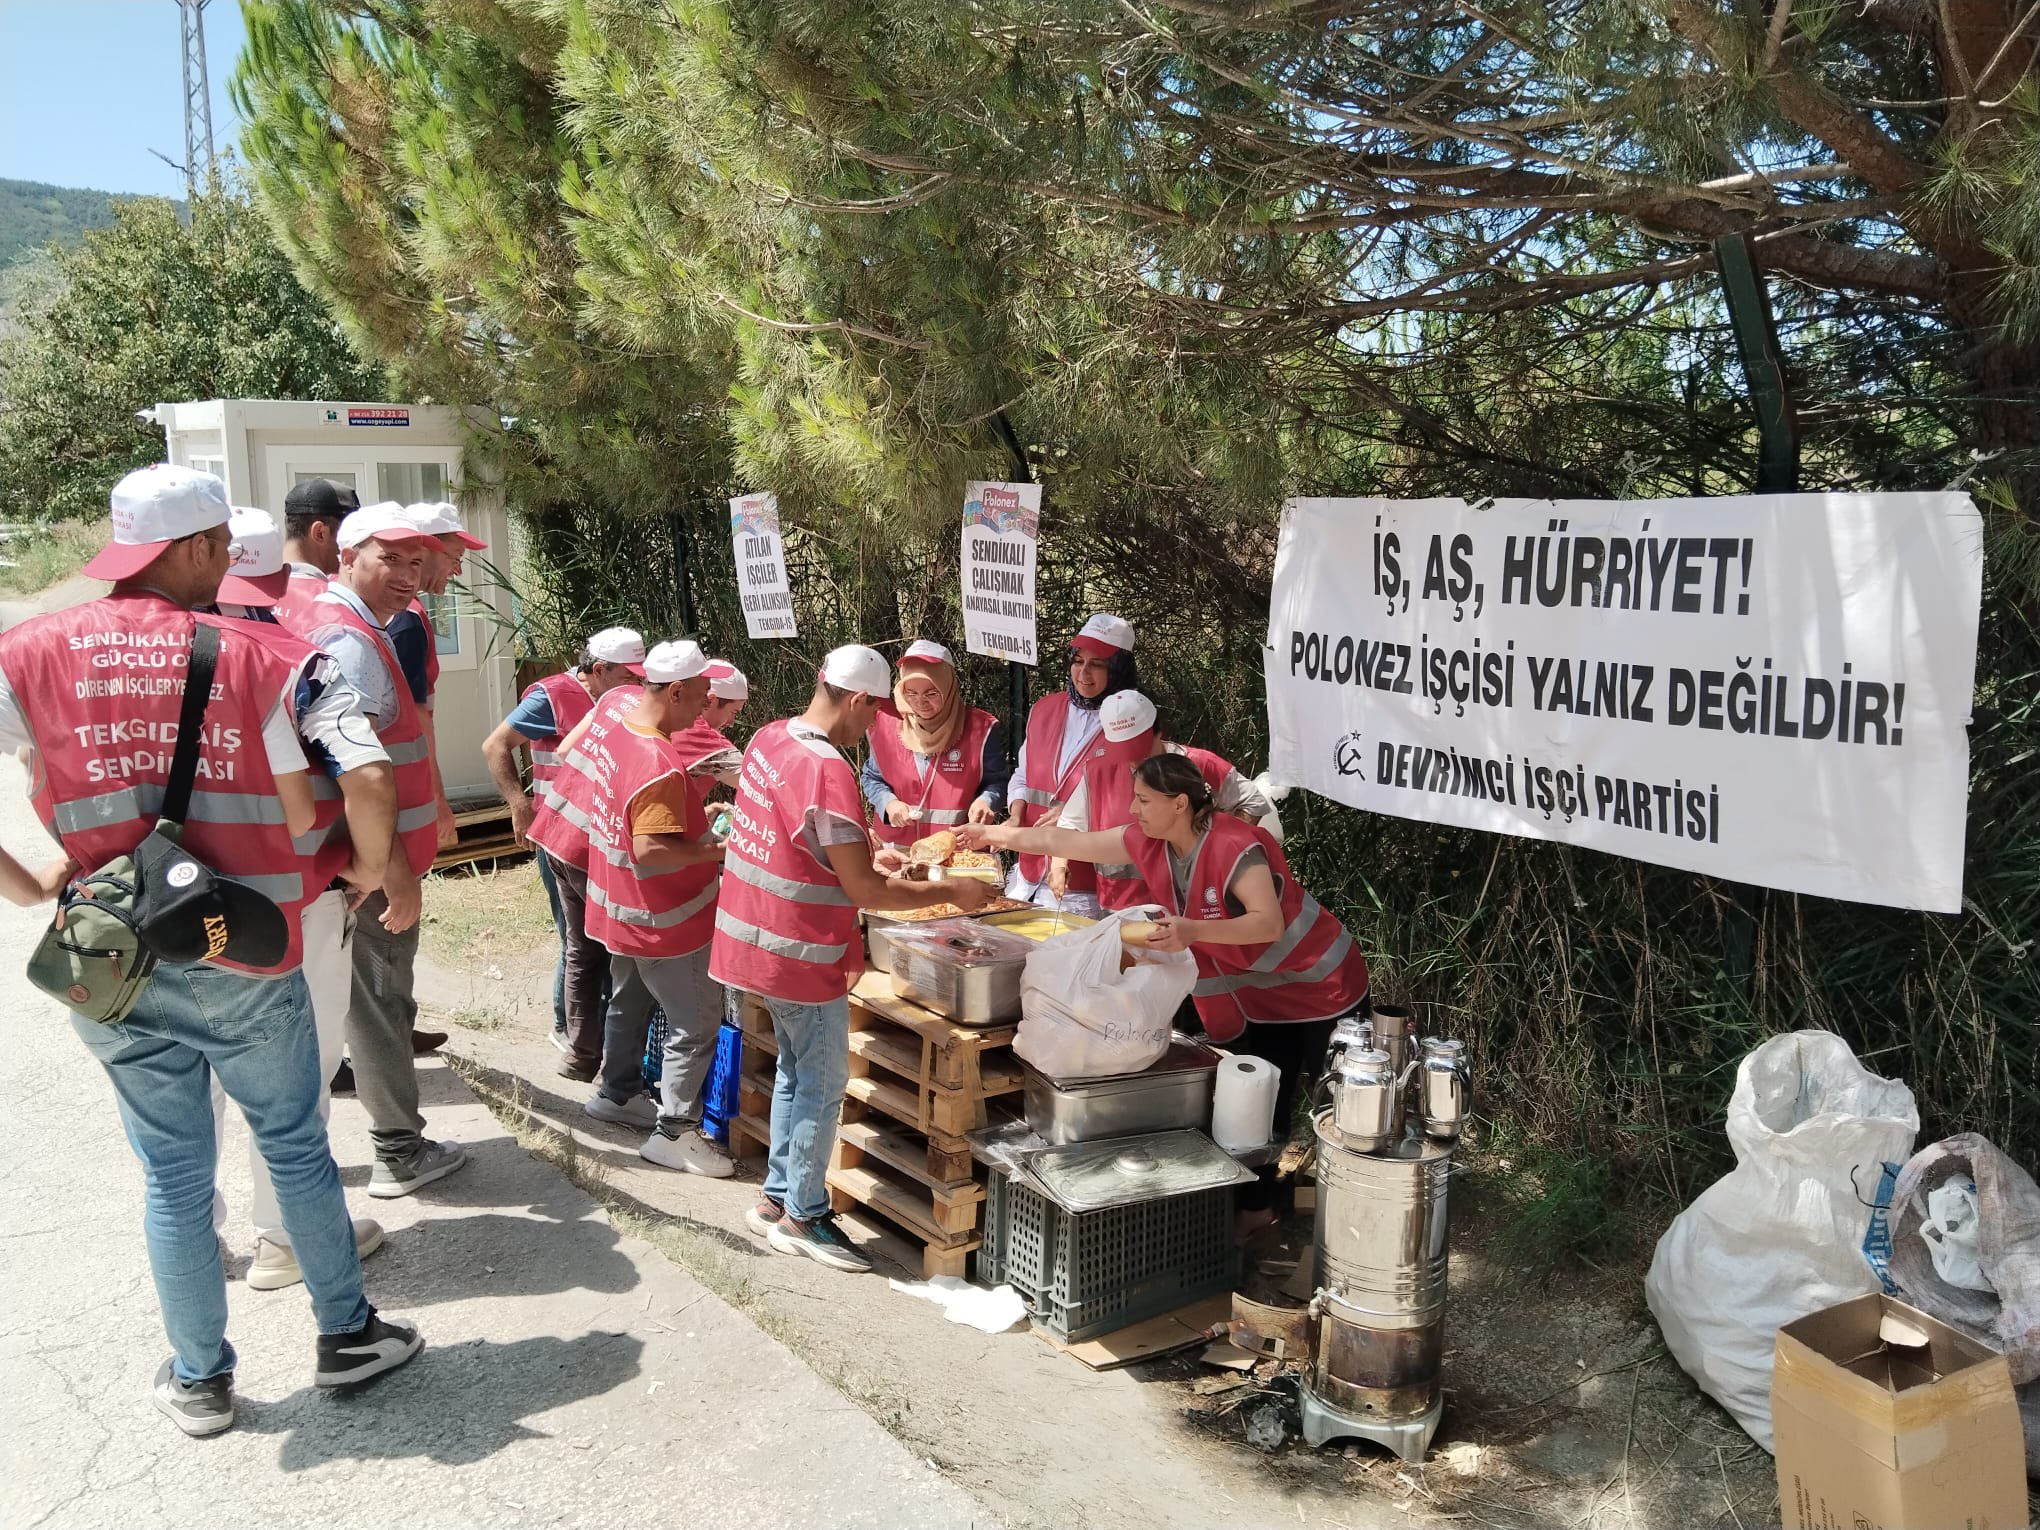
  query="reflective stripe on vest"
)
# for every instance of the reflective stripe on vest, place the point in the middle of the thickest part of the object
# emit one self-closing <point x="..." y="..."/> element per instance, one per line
<point x="1257" y="977"/>
<point x="87" y="813"/>
<point x="729" y="924"/>
<point x="786" y="887"/>
<point x="643" y="918"/>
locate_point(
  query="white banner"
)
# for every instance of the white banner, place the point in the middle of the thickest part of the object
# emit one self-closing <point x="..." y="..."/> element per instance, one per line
<point x="761" y="566"/>
<point x="1001" y="525"/>
<point x="1774" y="689"/>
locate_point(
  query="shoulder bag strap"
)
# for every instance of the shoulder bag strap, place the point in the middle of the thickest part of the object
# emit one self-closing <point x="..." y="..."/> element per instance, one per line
<point x="198" y="679"/>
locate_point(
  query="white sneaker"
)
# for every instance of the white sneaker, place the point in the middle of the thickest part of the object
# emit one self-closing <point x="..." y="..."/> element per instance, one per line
<point x="690" y="1153"/>
<point x="639" y="1111"/>
<point x="275" y="1265"/>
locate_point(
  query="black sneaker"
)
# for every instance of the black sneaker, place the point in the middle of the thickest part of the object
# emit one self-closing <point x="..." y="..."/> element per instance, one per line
<point x="196" y="1407"/>
<point x="343" y="1079"/>
<point x="380" y="1344"/>
<point x="580" y="1073"/>
<point x="821" y="1240"/>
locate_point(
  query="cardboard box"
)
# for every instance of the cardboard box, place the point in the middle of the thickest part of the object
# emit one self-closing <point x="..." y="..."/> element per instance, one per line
<point x="1878" y="1435"/>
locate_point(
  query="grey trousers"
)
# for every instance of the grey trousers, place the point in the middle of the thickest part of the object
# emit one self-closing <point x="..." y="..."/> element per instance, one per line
<point x="379" y="1019"/>
<point x="693" y="1002"/>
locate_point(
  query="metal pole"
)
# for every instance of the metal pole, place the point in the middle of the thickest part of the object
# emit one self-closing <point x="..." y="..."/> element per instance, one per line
<point x="1756" y="337"/>
<point x="683" y="588"/>
<point x="198" y="134"/>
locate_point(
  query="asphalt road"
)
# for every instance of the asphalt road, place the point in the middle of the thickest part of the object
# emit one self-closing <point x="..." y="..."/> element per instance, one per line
<point x="572" y="1376"/>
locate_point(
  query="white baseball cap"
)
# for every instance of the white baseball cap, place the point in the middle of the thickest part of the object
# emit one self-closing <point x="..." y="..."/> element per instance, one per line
<point x="441" y="518"/>
<point x="1127" y="718"/>
<point x="853" y="667"/>
<point x="726" y="682"/>
<point x="927" y="653"/>
<point x="384" y="521"/>
<point x="258" y="576"/>
<point x="1105" y="635"/>
<point x="679" y="660"/>
<point x="619" y="645"/>
<point x="153" y="507"/>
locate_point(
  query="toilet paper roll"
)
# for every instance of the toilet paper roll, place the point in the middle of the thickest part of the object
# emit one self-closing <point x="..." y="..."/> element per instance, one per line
<point x="1243" y="1104"/>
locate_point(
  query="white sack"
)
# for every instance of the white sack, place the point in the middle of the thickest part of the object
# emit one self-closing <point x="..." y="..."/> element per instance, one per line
<point x="1781" y="1235"/>
<point x="1081" y="1017"/>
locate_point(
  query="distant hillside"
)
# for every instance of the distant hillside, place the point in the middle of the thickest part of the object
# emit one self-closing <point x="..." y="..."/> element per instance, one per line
<point x="32" y="214"/>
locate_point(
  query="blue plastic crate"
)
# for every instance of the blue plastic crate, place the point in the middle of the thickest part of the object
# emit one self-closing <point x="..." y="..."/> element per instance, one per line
<point x="719" y="1094"/>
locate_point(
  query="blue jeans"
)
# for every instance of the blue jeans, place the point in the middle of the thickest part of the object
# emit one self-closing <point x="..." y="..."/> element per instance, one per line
<point x="552" y="898"/>
<point x="190" y="1023"/>
<point x="807" y="1096"/>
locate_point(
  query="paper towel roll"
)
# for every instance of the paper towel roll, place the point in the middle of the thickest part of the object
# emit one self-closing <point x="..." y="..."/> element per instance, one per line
<point x="1243" y="1104"/>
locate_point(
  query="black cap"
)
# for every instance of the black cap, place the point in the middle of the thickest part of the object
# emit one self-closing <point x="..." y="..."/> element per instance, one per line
<point x="189" y="913"/>
<point x="321" y="498"/>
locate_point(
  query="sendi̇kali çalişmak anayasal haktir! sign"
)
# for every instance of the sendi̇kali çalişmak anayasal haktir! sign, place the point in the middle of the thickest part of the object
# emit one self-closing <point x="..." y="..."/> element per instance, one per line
<point x="1773" y="688"/>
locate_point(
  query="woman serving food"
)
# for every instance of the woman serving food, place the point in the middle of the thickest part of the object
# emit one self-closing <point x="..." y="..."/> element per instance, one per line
<point x="1275" y="972"/>
<point x="934" y="763"/>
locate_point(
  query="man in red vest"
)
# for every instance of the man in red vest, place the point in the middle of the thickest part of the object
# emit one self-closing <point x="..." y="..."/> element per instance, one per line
<point x="95" y="693"/>
<point x="548" y="711"/>
<point x="796" y="869"/>
<point x="382" y="564"/>
<point x="312" y="513"/>
<point x="440" y="520"/>
<point x="652" y="867"/>
<point x="712" y="760"/>
<point x="356" y="794"/>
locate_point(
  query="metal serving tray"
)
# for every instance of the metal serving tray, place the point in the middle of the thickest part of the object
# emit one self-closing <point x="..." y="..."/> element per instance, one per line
<point x="960" y="968"/>
<point x="1174" y="1093"/>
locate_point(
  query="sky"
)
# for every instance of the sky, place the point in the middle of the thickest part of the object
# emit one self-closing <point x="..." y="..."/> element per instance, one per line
<point x="88" y="87"/>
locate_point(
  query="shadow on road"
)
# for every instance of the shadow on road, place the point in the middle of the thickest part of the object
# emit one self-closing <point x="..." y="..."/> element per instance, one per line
<point x="454" y="1406"/>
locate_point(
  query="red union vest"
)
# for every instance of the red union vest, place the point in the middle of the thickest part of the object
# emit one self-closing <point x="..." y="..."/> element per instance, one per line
<point x="101" y="686"/>
<point x="1312" y="972"/>
<point x="402" y="737"/>
<point x="294" y="610"/>
<point x="1043" y="787"/>
<point x="954" y="780"/>
<point x="630" y="911"/>
<point x="570" y="701"/>
<point x="562" y="819"/>
<point x="1108" y="791"/>
<point x="698" y="741"/>
<point x="326" y="846"/>
<point x="784" y="927"/>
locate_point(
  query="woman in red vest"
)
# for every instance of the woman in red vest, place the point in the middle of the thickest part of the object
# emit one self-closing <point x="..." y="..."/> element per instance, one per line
<point x="1131" y="732"/>
<point x="1275" y="971"/>
<point x="1062" y="739"/>
<point x="934" y="763"/>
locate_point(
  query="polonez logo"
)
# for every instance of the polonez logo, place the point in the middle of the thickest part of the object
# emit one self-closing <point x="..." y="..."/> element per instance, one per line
<point x="1348" y="756"/>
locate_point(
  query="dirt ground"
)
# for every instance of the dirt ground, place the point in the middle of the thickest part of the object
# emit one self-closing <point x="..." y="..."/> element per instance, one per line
<point x="1561" y="1406"/>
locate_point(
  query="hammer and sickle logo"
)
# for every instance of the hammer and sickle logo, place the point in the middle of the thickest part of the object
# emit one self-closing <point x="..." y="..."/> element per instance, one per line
<point x="1348" y="757"/>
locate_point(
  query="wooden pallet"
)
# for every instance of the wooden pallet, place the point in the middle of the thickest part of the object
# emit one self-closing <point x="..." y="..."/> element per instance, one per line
<point x="942" y="1220"/>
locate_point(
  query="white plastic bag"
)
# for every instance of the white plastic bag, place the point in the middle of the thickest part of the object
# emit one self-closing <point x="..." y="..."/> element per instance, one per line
<point x="1081" y="1017"/>
<point x="1789" y="1230"/>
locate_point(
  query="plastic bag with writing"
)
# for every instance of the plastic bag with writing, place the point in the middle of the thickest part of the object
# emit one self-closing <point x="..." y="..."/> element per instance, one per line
<point x="1082" y="1017"/>
<point x="1792" y="1228"/>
